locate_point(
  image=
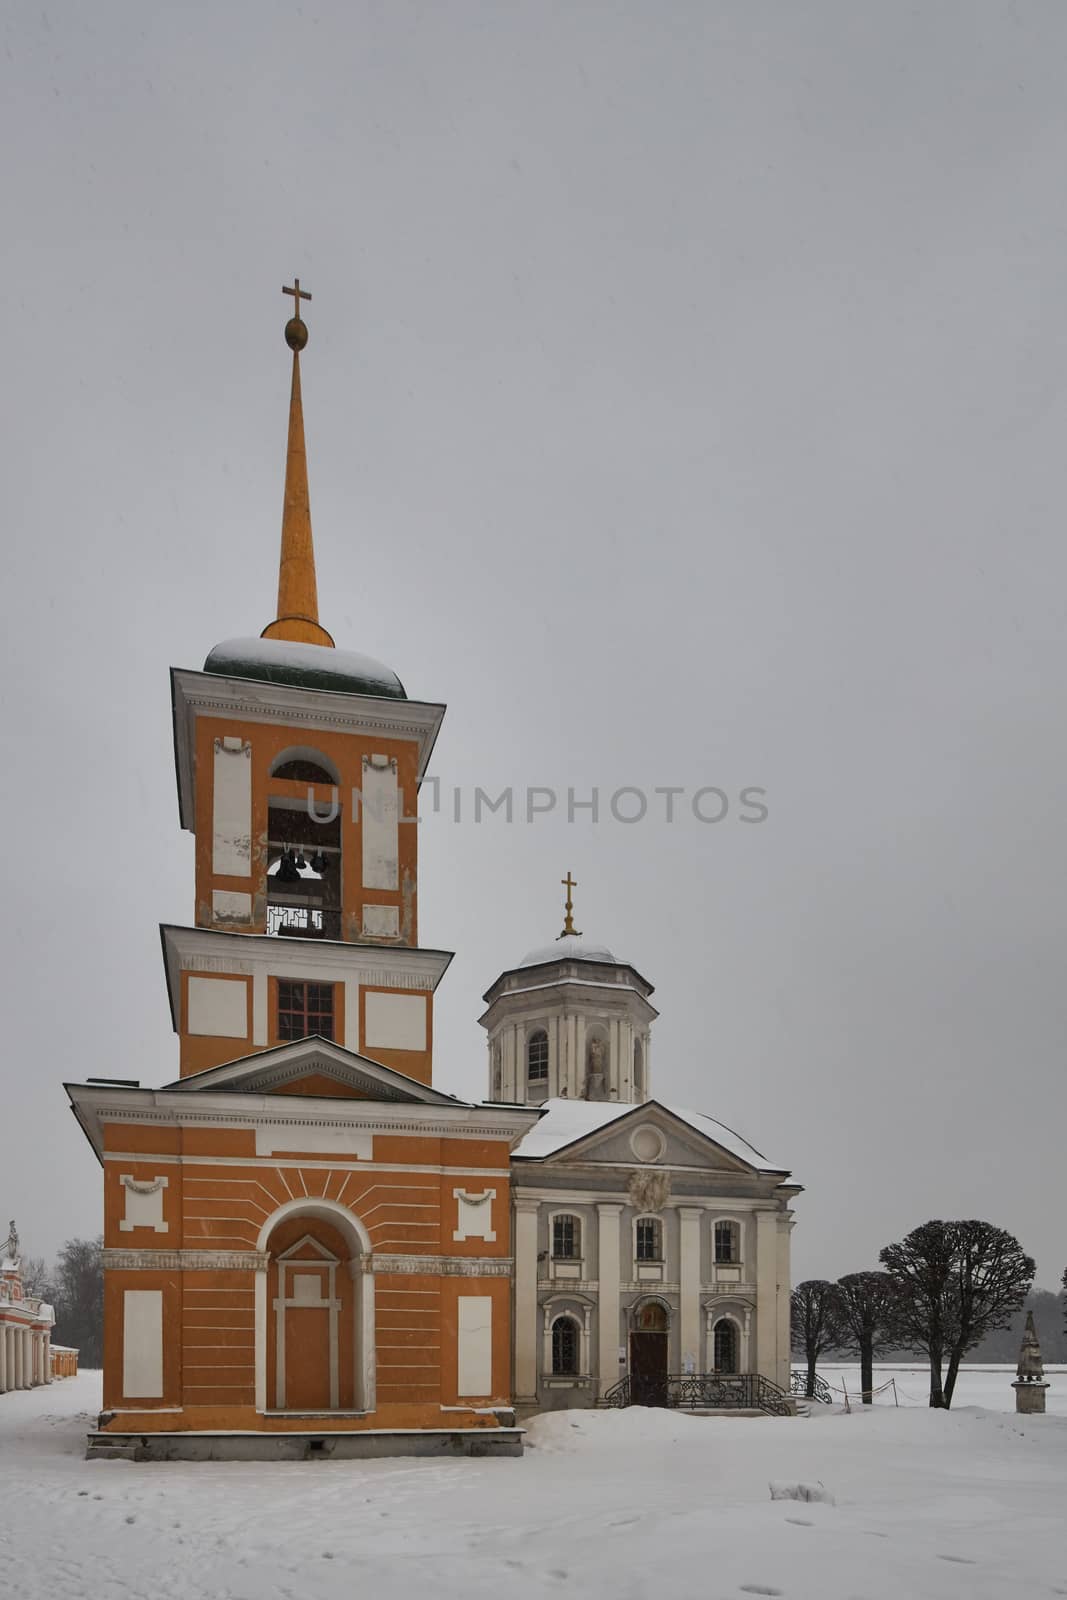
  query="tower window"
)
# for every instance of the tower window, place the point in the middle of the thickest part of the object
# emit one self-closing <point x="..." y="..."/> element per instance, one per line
<point x="537" y="1059"/>
<point x="566" y="1238"/>
<point x="648" y="1237"/>
<point x="304" y="1008"/>
<point x="727" y="1243"/>
<point x="565" y="1347"/>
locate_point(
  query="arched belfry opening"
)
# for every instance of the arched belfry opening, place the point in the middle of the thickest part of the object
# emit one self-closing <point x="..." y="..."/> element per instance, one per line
<point x="304" y="846"/>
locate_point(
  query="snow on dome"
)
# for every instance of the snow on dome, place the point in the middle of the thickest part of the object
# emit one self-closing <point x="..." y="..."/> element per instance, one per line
<point x="572" y="947"/>
<point x="306" y="666"/>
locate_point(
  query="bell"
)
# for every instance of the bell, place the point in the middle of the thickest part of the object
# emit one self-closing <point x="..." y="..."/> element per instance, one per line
<point x="287" y="868"/>
<point x="301" y="864"/>
<point x="319" y="863"/>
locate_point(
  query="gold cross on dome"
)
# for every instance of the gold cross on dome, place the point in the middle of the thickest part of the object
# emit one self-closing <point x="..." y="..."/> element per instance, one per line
<point x="569" y="883"/>
<point x="297" y="293"/>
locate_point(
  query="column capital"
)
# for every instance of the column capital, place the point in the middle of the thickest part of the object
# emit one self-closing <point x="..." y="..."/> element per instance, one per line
<point x="608" y="1208"/>
<point x="691" y="1213"/>
<point x="525" y="1203"/>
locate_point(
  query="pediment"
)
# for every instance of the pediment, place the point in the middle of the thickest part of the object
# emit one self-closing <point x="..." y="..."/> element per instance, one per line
<point x="652" y="1135"/>
<point x="316" y="1068"/>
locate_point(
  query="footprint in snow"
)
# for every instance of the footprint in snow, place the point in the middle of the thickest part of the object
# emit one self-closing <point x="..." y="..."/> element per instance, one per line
<point x="759" y="1588"/>
<point x="961" y="1561"/>
<point x="801" y="1522"/>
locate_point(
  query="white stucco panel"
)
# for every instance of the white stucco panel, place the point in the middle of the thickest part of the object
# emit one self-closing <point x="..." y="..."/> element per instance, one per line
<point x="381" y="922"/>
<point x="231" y="847"/>
<point x="475" y="1344"/>
<point x="231" y="905"/>
<point x="144" y="1203"/>
<point x="218" y="1007"/>
<point x="475" y="1215"/>
<point x="380" y="814"/>
<point x="313" y="1140"/>
<point x="142" y="1344"/>
<point x="395" y="1021"/>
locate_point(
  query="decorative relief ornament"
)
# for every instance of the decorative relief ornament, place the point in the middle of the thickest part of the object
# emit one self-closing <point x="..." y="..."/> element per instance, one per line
<point x="649" y="1191"/>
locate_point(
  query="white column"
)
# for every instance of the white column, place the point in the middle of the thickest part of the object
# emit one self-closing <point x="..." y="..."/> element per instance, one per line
<point x="785" y="1229"/>
<point x="30" y="1378"/>
<point x="525" y="1330"/>
<point x="689" y="1285"/>
<point x="608" y="1278"/>
<point x="3" y="1359"/>
<point x="767" y="1293"/>
<point x="48" y="1357"/>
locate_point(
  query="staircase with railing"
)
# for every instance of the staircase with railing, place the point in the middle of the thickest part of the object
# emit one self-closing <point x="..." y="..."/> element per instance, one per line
<point x="703" y="1391"/>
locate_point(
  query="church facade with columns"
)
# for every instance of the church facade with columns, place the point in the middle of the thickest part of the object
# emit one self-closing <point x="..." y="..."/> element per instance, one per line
<point x="651" y="1243"/>
<point x="25" y="1326"/>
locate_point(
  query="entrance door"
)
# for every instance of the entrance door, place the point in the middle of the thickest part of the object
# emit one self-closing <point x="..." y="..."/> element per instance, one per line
<point x="648" y="1357"/>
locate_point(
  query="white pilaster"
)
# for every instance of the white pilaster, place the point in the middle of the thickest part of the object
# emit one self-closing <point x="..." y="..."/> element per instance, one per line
<point x="48" y="1358"/>
<point x="785" y="1229"/>
<point x="525" y="1331"/>
<point x="3" y="1359"/>
<point x="690" y="1218"/>
<point x="261" y="1338"/>
<point x="767" y="1294"/>
<point x="608" y="1278"/>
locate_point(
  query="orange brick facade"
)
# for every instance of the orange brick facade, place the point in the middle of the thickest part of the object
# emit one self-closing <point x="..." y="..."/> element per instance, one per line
<point x="302" y="1234"/>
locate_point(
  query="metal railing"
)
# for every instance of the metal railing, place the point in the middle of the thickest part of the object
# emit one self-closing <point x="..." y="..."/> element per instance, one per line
<point x="702" y="1391"/>
<point x="798" y="1385"/>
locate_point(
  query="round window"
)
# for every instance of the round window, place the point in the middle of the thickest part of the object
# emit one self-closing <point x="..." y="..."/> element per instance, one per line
<point x="647" y="1143"/>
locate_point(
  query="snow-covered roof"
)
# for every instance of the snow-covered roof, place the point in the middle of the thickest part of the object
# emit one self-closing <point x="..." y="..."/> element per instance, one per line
<point x="307" y="666"/>
<point x="572" y="947"/>
<point x="566" y="1121"/>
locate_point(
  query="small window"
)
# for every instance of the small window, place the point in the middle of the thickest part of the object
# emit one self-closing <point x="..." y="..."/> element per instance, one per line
<point x="639" y="1070"/>
<point x="565" y="1347"/>
<point x="304" y="1008"/>
<point x="725" y="1342"/>
<point x="537" y="1059"/>
<point x="649" y="1236"/>
<point x="727" y="1243"/>
<point x="566" y="1238"/>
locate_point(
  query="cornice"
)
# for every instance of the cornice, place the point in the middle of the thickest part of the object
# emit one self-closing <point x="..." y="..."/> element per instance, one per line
<point x="117" y="1260"/>
<point x="96" y="1104"/>
<point x="196" y="694"/>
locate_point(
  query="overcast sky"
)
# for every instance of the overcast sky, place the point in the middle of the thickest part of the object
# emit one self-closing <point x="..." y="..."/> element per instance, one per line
<point x="686" y="406"/>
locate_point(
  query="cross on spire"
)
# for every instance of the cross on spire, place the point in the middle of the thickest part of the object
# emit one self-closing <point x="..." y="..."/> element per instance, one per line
<point x="297" y="293"/>
<point x="569" y="883"/>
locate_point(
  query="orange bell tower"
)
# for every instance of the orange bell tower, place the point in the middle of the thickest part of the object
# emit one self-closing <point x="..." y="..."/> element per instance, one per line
<point x="298" y="770"/>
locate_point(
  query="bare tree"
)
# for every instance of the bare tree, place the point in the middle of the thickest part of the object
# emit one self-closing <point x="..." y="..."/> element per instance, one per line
<point x="864" y="1306"/>
<point x="79" y="1298"/>
<point x="813" y="1323"/>
<point x="956" y="1282"/>
<point x="36" y="1278"/>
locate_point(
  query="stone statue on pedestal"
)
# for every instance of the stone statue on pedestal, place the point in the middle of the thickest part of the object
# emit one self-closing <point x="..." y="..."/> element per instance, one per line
<point x="1030" y="1385"/>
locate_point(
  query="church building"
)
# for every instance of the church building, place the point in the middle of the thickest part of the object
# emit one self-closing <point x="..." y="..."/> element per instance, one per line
<point x="651" y="1242"/>
<point x="307" y="1243"/>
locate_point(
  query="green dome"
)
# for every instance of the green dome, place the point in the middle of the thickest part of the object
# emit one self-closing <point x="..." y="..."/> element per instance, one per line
<point x="304" y="666"/>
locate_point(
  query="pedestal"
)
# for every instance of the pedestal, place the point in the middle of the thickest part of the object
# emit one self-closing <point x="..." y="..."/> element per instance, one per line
<point x="1030" y="1398"/>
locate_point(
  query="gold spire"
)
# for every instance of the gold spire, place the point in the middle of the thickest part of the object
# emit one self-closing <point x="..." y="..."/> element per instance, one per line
<point x="298" y="605"/>
<point x="569" y="883"/>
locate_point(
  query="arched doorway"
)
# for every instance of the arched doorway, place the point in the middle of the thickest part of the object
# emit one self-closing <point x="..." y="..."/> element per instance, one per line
<point x="725" y="1346"/>
<point x="312" y="1344"/>
<point x="649" y="1337"/>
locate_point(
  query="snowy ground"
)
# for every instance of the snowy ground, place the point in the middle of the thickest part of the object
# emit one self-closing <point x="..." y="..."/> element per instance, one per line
<point x="628" y="1504"/>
